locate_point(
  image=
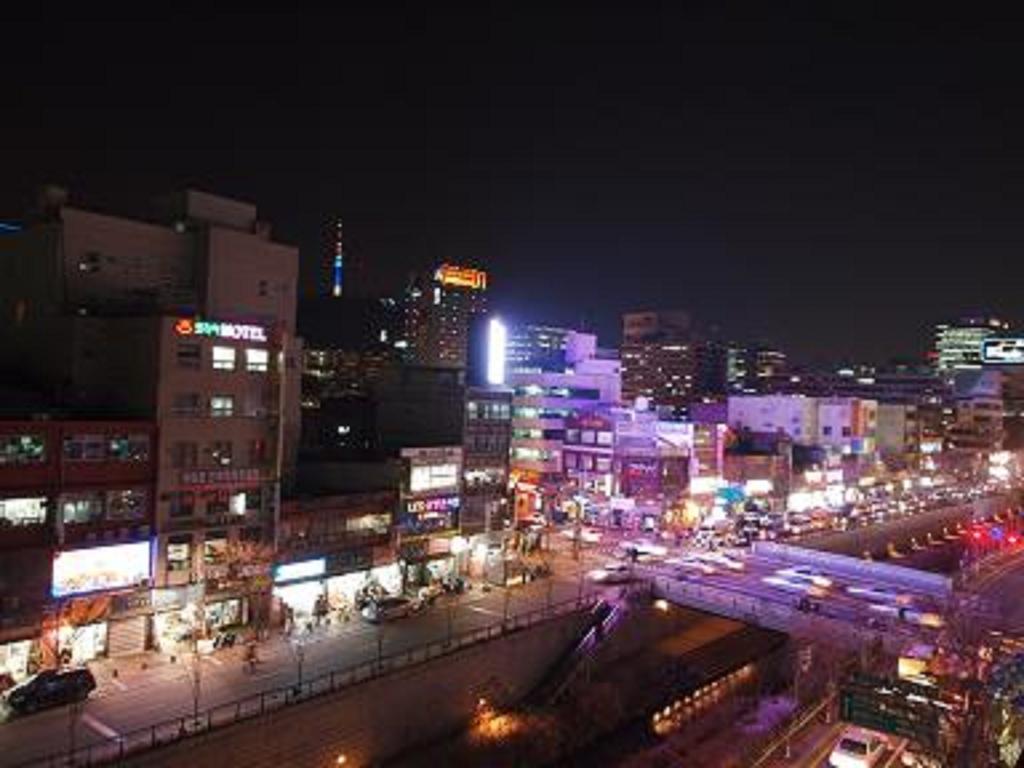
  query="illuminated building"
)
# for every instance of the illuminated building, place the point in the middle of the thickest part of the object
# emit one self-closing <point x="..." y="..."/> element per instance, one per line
<point x="844" y="426"/>
<point x="541" y="403"/>
<point x="76" y="518"/>
<point x="536" y="348"/>
<point x="439" y="310"/>
<point x="659" y="358"/>
<point x="485" y="449"/>
<point x="958" y="345"/>
<point x="189" y="323"/>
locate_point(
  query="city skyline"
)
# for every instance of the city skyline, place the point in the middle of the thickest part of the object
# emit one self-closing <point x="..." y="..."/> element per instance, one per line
<point x="758" y="172"/>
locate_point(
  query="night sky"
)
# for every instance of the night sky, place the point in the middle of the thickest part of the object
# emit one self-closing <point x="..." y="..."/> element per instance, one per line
<point x="835" y="185"/>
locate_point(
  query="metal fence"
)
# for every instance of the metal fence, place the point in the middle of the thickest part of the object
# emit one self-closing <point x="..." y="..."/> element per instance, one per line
<point x="772" y="614"/>
<point x="270" y="700"/>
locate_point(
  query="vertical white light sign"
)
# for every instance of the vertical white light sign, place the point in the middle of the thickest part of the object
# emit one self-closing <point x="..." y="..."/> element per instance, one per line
<point x="497" y="336"/>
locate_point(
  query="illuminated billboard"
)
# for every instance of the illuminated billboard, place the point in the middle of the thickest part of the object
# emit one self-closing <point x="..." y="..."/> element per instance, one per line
<point x="1003" y="351"/>
<point x="461" y="277"/>
<point x="427" y="515"/>
<point x="303" y="569"/>
<point x="118" y="566"/>
<point x="497" y="339"/>
<point x="237" y="331"/>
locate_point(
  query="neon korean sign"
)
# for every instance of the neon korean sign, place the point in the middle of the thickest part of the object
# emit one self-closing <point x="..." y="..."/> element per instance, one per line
<point x="461" y="277"/>
<point x="239" y="331"/>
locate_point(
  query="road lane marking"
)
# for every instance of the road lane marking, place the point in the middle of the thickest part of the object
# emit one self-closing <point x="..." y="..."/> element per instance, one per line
<point x="100" y="727"/>
<point x="118" y="684"/>
<point x="214" y="660"/>
<point x="487" y="611"/>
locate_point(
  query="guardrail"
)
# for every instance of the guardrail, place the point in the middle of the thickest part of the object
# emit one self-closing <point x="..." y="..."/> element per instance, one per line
<point x="272" y="699"/>
<point x="776" y="615"/>
<point x="784" y="733"/>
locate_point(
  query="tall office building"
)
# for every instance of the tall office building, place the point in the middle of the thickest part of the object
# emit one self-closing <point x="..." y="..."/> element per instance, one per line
<point x="536" y="348"/>
<point x="958" y="344"/>
<point x="439" y="310"/>
<point x="659" y="358"/>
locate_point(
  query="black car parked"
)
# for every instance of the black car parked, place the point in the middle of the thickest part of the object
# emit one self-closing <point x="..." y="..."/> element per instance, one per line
<point x="51" y="688"/>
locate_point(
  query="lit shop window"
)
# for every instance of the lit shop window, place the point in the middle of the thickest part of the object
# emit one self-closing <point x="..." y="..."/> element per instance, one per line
<point x="179" y="553"/>
<point x="128" y="448"/>
<point x="81" y="508"/>
<point x="126" y="505"/>
<point x="224" y="358"/>
<point x="257" y="360"/>
<point x="222" y="405"/>
<point x="237" y="503"/>
<point x="25" y="511"/>
<point x="21" y="449"/>
<point x="215" y="548"/>
<point x="220" y="453"/>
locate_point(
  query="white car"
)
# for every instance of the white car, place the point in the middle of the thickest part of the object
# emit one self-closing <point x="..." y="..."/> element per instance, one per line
<point x="803" y="587"/>
<point x="858" y="748"/>
<point x="884" y="594"/>
<point x="692" y="564"/>
<point x="613" y="573"/>
<point x="721" y="559"/>
<point x="587" y="535"/>
<point x="805" y="573"/>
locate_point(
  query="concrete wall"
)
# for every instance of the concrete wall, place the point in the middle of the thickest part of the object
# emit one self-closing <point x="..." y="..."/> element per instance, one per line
<point x="876" y="539"/>
<point x="380" y="719"/>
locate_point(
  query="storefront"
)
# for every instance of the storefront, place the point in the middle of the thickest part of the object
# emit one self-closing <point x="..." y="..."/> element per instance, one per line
<point x="14" y="659"/>
<point x="80" y="644"/>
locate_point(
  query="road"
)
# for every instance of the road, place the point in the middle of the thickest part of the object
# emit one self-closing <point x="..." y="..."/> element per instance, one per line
<point x="138" y="698"/>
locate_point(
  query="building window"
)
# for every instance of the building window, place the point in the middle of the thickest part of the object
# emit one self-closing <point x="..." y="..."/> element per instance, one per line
<point x="21" y="449"/>
<point x="190" y="355"/>
<point x="222" y="405"/>
<point x="588" y="437"/>
<point x="604" y="438"/>
<point x="186" y="404"/>
<point x="183" y="504"/>
<point x="215" y="548"/>
<point x="25" y="511"/>
<point x="257" y="360"/>
<point x="184" y="455"/>
<point x="224" y="358"/>
<point x="572" y="435"/>
<point x="126" y="505"/>
<point x="220" y="453"/>
<point x="253" y="500"/>
<point x="826" y="431"/>
<point x="846" y="432"/>
<point x="128" y="448"/>
<point x="433" y="477"/>
<point x="261" y="288"/>
<point x="85" y="448"/>
<point x="570" y="460"/>
<point x="472" y="410"/>
<point x="604" y="464"/>
<point x="81" y="508"/>
<point x="179" y="553"/>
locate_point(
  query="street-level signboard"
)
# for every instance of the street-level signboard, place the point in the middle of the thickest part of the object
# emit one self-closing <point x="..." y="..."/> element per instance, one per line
<point x="1003" y="351"/>
<point x="891" y="706"/>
